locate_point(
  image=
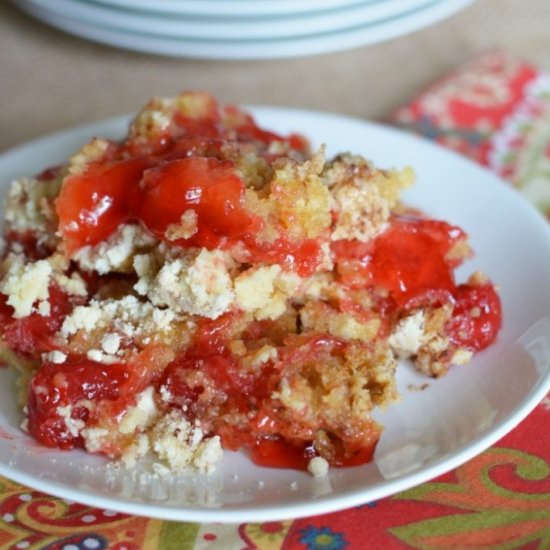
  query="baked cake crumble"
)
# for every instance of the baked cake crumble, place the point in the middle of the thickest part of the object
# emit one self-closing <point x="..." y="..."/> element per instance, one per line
<point x="206" y="284"/>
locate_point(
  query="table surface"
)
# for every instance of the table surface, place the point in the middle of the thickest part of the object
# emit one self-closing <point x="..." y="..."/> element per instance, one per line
<point x="51" y="80"/>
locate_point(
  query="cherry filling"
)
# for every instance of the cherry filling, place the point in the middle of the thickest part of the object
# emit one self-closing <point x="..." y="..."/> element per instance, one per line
<point x="409" y="260"/>
<point x="35" y="334"/>
<point x="157" y="190"/>
<point x="275" y="452"/>
<point x="81" y="389"/>
<point x="477" y="316"/>
<point x="228" y="390"/>
<point x="210" y="355"/>
<point x="58" y="394"/>
<point x="412" y="261"/>
<point x="208" y="188"/>
<point x="92" y="205"/>
<point x="158" y="180"/>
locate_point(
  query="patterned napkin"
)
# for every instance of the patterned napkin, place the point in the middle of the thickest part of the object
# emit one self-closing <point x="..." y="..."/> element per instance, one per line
<point x="495" y="110"/>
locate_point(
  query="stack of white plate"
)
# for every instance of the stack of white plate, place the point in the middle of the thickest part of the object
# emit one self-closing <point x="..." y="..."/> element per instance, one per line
<point x="240" y="29"/>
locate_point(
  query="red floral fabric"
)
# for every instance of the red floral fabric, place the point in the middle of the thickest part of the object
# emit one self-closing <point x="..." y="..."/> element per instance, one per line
<point x="495" y="110"/>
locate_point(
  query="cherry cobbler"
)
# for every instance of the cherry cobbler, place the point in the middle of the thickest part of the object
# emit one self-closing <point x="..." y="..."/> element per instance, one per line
<point x="206" y="284"/>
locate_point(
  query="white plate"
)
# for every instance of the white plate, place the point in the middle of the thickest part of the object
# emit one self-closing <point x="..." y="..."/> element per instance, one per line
<point x="429" y="432"/>
<point x="352" y="37"/>
<point x="231" y="8"/>
<point x="189" y="27"/>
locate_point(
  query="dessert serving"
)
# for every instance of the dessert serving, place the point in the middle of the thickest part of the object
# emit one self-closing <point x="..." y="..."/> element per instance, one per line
<point x="205" y="284"/>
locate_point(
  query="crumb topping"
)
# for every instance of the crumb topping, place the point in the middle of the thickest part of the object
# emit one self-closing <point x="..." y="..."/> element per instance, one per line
<point x="318" y="466"/>
<point x="116" y="254"/>
<point x="198" y="284"/>
<point x="25" y="284"/>
<point x="181" y="445"/>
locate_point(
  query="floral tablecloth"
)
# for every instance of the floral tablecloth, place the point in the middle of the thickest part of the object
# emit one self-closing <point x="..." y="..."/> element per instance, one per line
<point x="495" y="110"/>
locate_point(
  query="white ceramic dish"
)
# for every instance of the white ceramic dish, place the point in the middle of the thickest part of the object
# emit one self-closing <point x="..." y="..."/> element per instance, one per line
<point x="352" y="37"/>
<point x="231" y="8"/>
<point x="201" y="28"/>
<point x="429" y="432"/>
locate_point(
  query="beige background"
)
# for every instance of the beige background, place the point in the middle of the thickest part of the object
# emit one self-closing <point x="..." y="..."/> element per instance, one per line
<point x="50" y="80"/>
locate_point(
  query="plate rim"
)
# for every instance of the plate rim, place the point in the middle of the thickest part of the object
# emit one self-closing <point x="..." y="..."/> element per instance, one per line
<point x="253" y="49"/>
<point x="238" y="30"/>
<point x="268" y="7"/>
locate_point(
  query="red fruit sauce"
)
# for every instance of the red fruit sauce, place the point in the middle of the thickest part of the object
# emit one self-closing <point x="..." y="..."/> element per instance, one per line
<point x="157" y="187"/>
<point x="66" y="385"/>
<point x="411" y="261"/>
